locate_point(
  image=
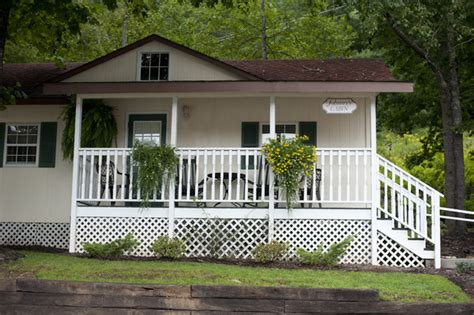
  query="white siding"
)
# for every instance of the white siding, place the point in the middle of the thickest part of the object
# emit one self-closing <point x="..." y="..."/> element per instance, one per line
<point x="217" y="122"/>
<point x="32" y="194"/>
<point x="183" y="67"/>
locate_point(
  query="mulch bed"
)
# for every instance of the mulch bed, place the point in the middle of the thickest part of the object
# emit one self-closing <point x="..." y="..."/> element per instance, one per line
<point x="459" y="247"/>
<point x="9" y="255"/>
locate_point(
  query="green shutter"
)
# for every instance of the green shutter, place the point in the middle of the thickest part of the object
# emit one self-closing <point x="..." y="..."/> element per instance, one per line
<point x="250" y="131"/>
<point x="47" y="152"/>
<point x="250" y="139"/>
<point x="2" y="142"/>
<point x="309" y="128"/>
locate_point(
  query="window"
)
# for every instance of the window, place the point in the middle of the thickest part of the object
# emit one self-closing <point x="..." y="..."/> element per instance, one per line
<point x="286" y="130"/>
<point x="147" y="132"/>
<point x="22" y="144"/>
<point x="154" y="66"/>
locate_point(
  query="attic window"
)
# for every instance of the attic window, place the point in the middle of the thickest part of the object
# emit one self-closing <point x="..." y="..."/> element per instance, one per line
<point x="154" y="67"/>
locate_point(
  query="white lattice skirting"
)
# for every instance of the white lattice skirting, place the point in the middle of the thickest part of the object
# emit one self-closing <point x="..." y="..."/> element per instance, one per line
<point x="230" y="238"/>
<point x="308" y="234"/>
<point x="34" y="234"/>
<point x="220" y="238"/>
<point x="391" y="253"/>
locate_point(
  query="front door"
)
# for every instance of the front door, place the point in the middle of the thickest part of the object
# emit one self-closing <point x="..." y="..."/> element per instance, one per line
<point x="148" y="128"/>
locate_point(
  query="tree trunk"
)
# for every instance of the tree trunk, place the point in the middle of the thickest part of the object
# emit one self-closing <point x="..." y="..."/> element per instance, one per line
<point x="264" y="31"/>
<point x="5" y="8"/>
<point x="448" y="81"/>
<point x="453" y="137"/>
<point x="125" y="25"/>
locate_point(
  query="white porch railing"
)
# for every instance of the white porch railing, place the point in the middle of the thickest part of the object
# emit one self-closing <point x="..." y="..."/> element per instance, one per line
<point x="237" y="176"/>
<point x="410" y="203"/>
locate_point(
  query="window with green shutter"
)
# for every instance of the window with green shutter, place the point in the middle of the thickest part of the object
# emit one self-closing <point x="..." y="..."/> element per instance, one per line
<point x="250" y="136"/>
<point x="309" y="128"/>
<point x="47" y="151"/>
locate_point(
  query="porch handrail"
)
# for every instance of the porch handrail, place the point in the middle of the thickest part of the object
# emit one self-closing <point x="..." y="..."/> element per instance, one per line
<point x="409" y="202"/>
<point x="344" y="172"/>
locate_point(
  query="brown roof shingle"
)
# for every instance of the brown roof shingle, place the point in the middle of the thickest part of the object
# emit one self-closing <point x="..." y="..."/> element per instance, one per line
<point x="360" y="70"/>
<point x="32" y="76"/>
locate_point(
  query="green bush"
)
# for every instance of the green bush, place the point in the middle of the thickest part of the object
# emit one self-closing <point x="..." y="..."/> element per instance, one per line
<point x="112" y="249"/>
<point x="465" y="267"/>
<point x="273" y="251"/>
<point x="167" y="247"/>
<point x="321" y="258"/>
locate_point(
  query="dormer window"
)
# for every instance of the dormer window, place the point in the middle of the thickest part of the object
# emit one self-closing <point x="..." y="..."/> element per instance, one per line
<point x="154" y="67"/>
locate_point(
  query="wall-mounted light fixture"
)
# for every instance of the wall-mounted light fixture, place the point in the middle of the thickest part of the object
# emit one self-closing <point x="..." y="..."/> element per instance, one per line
<point x="186" y="111"/>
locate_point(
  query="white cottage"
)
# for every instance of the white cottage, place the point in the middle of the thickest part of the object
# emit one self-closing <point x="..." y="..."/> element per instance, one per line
<point x="217" y="114"/>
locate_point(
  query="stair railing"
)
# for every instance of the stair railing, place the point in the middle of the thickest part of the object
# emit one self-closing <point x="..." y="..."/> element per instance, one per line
<point x="410" y="203"/>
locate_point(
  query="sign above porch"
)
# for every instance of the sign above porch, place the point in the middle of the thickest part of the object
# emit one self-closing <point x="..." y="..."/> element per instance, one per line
<point x="339" y="106"/>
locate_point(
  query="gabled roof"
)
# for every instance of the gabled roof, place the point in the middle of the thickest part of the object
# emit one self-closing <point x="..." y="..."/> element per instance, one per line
<point x="148" y="39"/>
<point x="329" y="75"/>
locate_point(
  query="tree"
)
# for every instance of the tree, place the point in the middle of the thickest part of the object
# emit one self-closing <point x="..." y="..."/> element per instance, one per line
<point x="43" y="23"/>
<point x="435" y="32"/>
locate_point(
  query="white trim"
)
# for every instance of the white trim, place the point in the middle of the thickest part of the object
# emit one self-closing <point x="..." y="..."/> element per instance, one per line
<point x="37" y="145"/>
<point x="271" y="197"/>
<point x="75" y="172"/>
<point x="173" y="142"/>
<point x="192" y="95"/>
<point x="226" y="213"/>
<point x="374" y="177"/>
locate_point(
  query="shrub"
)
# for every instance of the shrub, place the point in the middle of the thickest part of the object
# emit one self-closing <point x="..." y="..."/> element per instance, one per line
<point x="168" y="247"/>
<point x="465" y="267"/>
<point x="273" y="251"/>
<point x="328" y="258"/>
<point x="112" y="249"/>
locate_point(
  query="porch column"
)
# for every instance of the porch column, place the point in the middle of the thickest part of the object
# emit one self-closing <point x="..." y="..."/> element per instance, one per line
<point x="374" y="184"/>
<point x="271" y="197"/>
<point x="173" y="142"/>
<point x="75" y="173"/>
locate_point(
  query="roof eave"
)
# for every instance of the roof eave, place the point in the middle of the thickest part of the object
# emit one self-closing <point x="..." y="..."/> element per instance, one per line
<point x="226" y="87"/>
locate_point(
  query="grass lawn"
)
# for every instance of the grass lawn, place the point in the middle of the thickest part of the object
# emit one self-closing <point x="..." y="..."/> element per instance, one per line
<point x="393" y="286"/>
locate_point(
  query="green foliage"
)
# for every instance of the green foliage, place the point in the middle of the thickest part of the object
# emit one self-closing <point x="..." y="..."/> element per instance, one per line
<point x="424" y="160"/>
<point x="155" y="165"/>
<point x="465" y="267"/>
<point x="295" y="29"/>
<point x="320" y="258"/>
<point x="270" y="252"/>
<point x="9" y="95"/>
<point x="290" y="159"/>
<point x="96" y="116"/>
<point x="166" y="247"/>
<point x="111" y="249"/>
<point x="41" y="26"/>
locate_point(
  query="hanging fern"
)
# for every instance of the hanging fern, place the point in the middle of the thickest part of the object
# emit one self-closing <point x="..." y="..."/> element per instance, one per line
<point x="99" y="127"/>
<point x="156" y="164"/>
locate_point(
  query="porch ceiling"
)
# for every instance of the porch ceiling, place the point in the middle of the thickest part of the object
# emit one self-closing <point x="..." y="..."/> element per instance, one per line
<point x="226" y="87"/>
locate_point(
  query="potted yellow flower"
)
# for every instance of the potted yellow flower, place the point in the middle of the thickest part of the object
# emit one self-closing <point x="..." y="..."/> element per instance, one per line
<point x="290" y="160"/>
